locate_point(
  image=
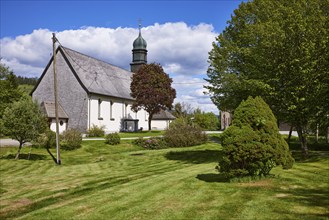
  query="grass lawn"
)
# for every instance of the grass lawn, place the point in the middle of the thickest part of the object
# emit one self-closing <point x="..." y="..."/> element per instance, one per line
<point x="101" y="181"/>
<point x="141" y="134"/>
<point x="137" y="134"/>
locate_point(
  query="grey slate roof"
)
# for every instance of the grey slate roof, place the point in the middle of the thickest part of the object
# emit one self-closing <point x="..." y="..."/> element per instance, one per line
<point x="98" y="76"/>
<point x="49" y="109"/>
<point x="163" y="115"/>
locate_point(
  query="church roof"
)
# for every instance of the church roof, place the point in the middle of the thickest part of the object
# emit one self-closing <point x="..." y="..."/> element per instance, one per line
<point x="97" y="76"/>
<point x="49" y="109"/>
<point x="163" y="115"/>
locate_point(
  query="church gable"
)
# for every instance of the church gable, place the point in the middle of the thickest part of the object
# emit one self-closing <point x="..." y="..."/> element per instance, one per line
<point x="72" y="95"/>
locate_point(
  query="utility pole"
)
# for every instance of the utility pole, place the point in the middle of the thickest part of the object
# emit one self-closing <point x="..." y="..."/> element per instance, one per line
<point x="56" y="101"/>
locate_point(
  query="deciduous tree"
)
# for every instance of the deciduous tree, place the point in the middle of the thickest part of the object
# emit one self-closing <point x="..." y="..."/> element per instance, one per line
<point x="23" y="121"/>
<point x="9" y="91"/>
<point x="278" y="50"/>
<point x="151" y="89"/>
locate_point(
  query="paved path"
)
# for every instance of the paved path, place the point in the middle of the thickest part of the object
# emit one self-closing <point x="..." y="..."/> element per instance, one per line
<point x="11" y="142"/>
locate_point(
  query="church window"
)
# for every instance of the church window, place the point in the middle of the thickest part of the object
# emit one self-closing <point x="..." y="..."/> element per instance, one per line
<point x="111" y="111"/>
<point x="126" y="111"/>
<point x="100" y="109"/>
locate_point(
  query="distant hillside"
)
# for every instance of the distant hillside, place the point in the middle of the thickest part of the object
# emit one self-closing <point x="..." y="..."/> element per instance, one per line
<point x="26" y="80"/>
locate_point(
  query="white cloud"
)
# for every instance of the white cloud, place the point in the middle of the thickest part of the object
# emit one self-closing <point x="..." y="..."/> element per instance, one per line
<point x="181" y="49"/>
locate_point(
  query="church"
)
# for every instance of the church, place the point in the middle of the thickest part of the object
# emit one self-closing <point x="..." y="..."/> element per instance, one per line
<point x="93" y="92"/>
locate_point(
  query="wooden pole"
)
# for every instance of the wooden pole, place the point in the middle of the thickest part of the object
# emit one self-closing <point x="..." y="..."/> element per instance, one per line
<point x="56" y="101"/>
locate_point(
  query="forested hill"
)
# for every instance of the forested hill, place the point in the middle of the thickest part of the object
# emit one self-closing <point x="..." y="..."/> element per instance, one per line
<point x="26" y="80"/>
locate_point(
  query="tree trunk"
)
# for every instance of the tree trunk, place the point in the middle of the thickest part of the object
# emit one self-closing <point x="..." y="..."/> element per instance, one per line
<point x="149" y="122"/>
<point x="327" y="136"/>
<point x="303" y="140"/>
<point x="19" y="150"/>
<point x="289" y="136"/>
<point x="317" y="133"/>
<point x="52" y="156"/>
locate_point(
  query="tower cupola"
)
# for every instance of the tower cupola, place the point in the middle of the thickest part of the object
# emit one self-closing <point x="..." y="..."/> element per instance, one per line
<point x="139" y="52"/>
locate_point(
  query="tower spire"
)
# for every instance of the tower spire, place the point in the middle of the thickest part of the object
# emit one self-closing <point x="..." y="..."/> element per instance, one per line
<point x="140" y="26"/>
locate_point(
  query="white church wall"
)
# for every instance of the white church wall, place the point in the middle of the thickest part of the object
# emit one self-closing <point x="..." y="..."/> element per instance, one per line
<point x="112" y="112"/>
<point x="62" y="125"/>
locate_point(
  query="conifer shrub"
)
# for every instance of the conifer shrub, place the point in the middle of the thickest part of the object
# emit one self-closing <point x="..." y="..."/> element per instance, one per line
<point x="183" y="134"/>
<point x="112" y="138"/>
<point x="96" y="131"/>
<point x="252" y="145"/>
<point x="71" y="139"/>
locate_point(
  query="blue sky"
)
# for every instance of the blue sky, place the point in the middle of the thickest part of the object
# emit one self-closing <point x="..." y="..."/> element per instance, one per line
<point x="22" y="17"/>
<point x="179" y="36"/>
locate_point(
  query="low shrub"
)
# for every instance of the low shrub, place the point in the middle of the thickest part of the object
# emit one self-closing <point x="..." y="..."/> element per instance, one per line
<point x="151" y="143"/>
<point x="112" y="139"/>
<point x="183" y="134"/>
<point x="71" y="139"/>
<point x="96" y="131"/>
<point x="46" y="140"/>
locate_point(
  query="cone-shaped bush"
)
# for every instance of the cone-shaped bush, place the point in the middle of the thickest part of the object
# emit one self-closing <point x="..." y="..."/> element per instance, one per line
<point x="252" y="145"/>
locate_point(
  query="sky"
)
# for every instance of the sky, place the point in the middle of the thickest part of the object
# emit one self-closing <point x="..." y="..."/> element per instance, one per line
<point x="179" y="36"/>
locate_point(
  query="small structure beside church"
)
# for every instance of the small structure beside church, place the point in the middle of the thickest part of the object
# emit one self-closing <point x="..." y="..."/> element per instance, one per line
<point x="93" y="92"/>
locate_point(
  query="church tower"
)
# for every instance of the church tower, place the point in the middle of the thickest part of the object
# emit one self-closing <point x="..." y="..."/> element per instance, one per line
<point x="139" y="53"/>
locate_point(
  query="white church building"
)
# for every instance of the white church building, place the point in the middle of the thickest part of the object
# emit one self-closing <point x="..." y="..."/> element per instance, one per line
<point x="93" y="92"/>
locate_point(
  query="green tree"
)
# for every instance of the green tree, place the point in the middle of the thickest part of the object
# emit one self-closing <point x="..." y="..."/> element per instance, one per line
<point x="252" y="145"/>
<point x="23" y="121"/>
<point x="151" y="89"/>
<point x="277" y="50"/>
<point x="9" y="91"/>
<point x="206" y="120"/>
<point x="183" y="110"/>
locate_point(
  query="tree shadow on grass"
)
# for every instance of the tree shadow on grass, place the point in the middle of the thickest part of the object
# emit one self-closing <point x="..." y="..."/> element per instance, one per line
<point x="317" y="198"/>
<point x="195" y="156"/>
<point x="314" y="156"/>
<point x="24" y="157"/>
<point x="212" y="178"/>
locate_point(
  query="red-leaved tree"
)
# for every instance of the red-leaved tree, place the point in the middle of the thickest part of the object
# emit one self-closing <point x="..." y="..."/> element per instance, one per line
<point x="151" y="89"/>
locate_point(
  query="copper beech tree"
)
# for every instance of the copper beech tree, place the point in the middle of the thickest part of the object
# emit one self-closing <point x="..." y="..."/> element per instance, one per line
<point x="152" y="91"/>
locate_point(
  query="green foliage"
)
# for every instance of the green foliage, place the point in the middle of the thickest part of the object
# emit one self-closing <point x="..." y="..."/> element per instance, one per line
<point x="206" y="120"/>
<point x="46" y="139"/>
<point x="23" y="121"/>
<point x="183" y="134"/>
<point x="183" y="110"/>
<point x="9" y="91"/>
<point x="71" y="139"/>
<point x="96" y="131"/>
<point x="151" y="89"/>
<point x="21" y="80"/>
<point x="151" y="143"/>
<point x="277" y="50"/>
<point x="252" y="145"/>
<point x="112" y="138"/>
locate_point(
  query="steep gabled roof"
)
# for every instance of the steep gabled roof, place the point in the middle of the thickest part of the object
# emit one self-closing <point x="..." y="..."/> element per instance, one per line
<point x="95" y="76"/>
<point x="99" y="77"/>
